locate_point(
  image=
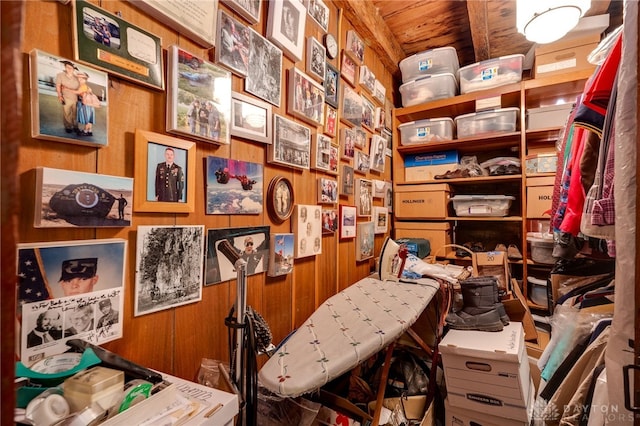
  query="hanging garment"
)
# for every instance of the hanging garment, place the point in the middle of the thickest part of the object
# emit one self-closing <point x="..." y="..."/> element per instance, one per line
<point x="564" y="150"/>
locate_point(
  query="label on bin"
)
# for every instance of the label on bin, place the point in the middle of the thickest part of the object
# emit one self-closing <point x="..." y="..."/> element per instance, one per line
<point x="479" y="210"/>
<point x="423" y="132"/>
<point x="489" y="73"/>
<point x="425" y="65"/>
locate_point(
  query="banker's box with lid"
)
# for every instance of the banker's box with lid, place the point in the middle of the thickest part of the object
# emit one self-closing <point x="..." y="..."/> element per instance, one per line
<point x="423" y="131"/>
<point x="421" y="201"/>
<point x="428" y="88"/>
<point x="500" y="120"/>
<point x="488" y="371"/>
<point x="433" y="61"/>
<point x="490" y="73"/>
<point x="482" y="205"/>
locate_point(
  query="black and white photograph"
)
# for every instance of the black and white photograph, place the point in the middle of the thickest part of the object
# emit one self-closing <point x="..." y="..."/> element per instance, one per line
<point x="68" y="101"/>
<point x="331" y="85"/>
<point x="307" y="227"/>
<point x="380" y="220"/>
<point x="368" y="113"/>
<point x="361" y="163"/>
<point x="388" y="140"/>
<point x="360" y="138"/>
<point x="347" y="180"/>
<point x="377" y="153"/>
<point x="379" y="187"/>
<point x="388" y="196"/>
<point x="285" y="27"/>
<point x="68" y="199"/>
<point x="291" y="145"/>
<point x="355" y="46"/>
<point x="264" y="76"/>
<point x="367" y="79"/>
<point x="364" y="197"/>
<point x="365" y="241"/>
<point x="250" y="243"/>
<point x="324" y="154"/>
<point x="233" y="44"/>
<point x="351" y="106"/>
<point x="327" y="191"/>
<point x="316" y="59"/>
<point x="379" y="92"/>
<point x="250" y="118"/>
<point x="306" y="97"/>
<point x="250" y="10"/>
<point x="169" y="267"/>
<point x="319" y="12"/>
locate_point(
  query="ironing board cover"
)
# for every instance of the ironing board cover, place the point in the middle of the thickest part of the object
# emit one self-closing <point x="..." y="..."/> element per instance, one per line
<point x="344" y="331"/>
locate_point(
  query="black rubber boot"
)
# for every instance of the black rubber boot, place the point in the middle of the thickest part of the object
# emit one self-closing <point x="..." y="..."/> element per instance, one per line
<point x="482" y="309"/>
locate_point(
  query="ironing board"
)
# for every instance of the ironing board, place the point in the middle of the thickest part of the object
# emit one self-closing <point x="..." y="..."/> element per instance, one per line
<point x="344" y="331"/>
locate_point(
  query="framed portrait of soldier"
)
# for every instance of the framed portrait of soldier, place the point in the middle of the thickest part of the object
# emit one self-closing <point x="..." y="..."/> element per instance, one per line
<point x="285" y="27"/>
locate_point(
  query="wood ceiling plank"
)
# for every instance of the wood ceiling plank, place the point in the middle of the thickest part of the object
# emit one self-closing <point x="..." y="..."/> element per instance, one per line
<point x="479" y="25"/>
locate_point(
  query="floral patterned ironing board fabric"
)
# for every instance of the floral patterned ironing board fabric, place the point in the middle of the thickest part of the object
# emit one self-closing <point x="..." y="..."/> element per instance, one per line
<point x="344" y="331"/>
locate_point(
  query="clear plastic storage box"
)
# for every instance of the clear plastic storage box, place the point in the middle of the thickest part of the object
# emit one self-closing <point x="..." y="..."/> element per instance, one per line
<point x="541" y="247"/>
<point x="490" y="73"/>
<point x="537" y="289"/>
<point x="433" y="61"/>
<point x="428" y="88"/>
<point x="422" y="131"/>
<point x="482" y="205"/>
<point x="502" y="120"/>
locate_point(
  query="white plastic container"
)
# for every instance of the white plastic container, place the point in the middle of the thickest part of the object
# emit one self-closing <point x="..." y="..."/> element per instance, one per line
<point x="482" y="205"/>
<point x="502" y="120"/>
<point x="428" y="88"/>
<point x="541" y="247"/>
<point x="537" y="289"/>
<point x="548" y="116"/>
<point x="490" y="73"/>
<point x="433" y="61"/>
<point x="423" y="131"/>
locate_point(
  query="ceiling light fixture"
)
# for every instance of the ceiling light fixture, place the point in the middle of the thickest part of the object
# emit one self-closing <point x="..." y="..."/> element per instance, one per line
<point x="545" y="21"/>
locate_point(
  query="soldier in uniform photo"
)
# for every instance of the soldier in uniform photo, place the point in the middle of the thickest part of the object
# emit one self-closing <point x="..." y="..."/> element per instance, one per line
<point x="169" y="179"/>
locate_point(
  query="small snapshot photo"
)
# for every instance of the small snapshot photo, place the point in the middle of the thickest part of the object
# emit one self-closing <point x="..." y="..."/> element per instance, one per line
<point x="330" y="121"/>
<point x="234" y="186"/>
<point x="67" y="199"/>
<point x="388" y="141"/>
<point x="327" y="191"/>
<point x="360" y="138"/>
<point x="388" y="196"/>
<point x="331" y="85"/>
<point x="306" y="97"/>
<point x="364" y="197"/>
<point x="307" y="227"/>
<point x="319" y="12"/>
<point x="347" y="140"/>
<point x="362" y="163"/>
<point x="378" y="153"/>
<point x="379" y="187"/>
<point x="380" y="219"/>
<point x="233" y="40"/>
<point x="367" y="79"/>
<point x="355" y="46"/>
<point x="351" y="106"/>
<point x="68" y="101"/>
<point x="347" y="180"/>
<point x="329" y="221"/>
<point x="169" y="267"/>
<point x="250" y="118"/>
<point x="368" y="113"/>
<point x="325" y="155"/>
<point x="264" y="76"/>
<point x="281" y="256"/>
<point x="379" y="92"/>
<point x="347" y="216"/>
<point x="316" y="59"/>
<point x="365" y="241"/>
<point x="348" y="68"/>
<point x="250" y="243"/>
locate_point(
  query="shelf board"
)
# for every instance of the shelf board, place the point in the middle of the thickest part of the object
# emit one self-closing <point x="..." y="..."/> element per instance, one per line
<point x="537" y="175"/>
<point x="471" y="180"/>
<point x="549" y="134"/>
<point x="486" y="218"/>
<point x="486" y="142"/>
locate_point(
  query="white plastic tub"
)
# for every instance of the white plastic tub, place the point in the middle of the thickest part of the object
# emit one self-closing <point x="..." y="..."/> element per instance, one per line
<point x="423" y="131"/>
<point x="482" y="205"/>
<point x="501" y="120"/>
<point x="433" y="61"/>
<point x="541" y="247"/>
<point x="428" y="88"/>
<point x="490" y="73"/>
<point x="537" y="289"/>
<point x="548" y="116"/>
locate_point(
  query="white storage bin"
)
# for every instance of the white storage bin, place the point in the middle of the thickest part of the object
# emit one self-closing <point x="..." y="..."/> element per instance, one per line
<point x="541" y="247"/>
<point x="428" y="88"/>
<point x="422" y="131"/>
<point x="548" y="116"/>
<point x="537" y="289"/>
<point x="502" y="120"/>
<point x="482" y="205"/>
<point x="433" y="61"/>
<point x="490" y="73"/>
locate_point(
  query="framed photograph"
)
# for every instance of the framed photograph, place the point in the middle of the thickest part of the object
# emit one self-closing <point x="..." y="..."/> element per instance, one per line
<point x="324" y="155"/>
<point x="112" y="44"/>
<point x="316" y="59"/>
<point x="388" y="196"/>
<point x="368" y="112"/>
<point x="68" y="101"/>
<point x="233" y="186"/>
<point x="264" y="76"/>
<point x="347" y="216"/>
<point x="330" y="121"/>
<point x="364" y="197"/>
<point x="319" y="12"/>
<point x="197" y="21"/>
<point x="365" y="241"/>
<point x="306" y="97"/>
<point x="380" y="220"/>
<point x="348" y="68"/>
<point x="307" y="227"/>
<point x="70" y="284"/>
<point x="388" y="141"/>
<point x="281" y="254"/>
<point x="250" y="10"/>
<point x="367" y="79"/>
<point x="355" y="46"/>
<point x="291" y="145"/>
<point x="251" y="243"/>
<point x="198" y="97"/>
<point x="347" y="141"/>
<point x="360" y="138"/>
<point x="70" y="199"/>
<point x="250" y="118"/>
<point x="169" y="267"/>
<point x="378" y="188"/>
<point x="377" y="153"/>
<point x="165" y="173"/>
<point x="327" y="191"/>
<point x="347" y="180"/>
<point x="233" y="42"/>
<point x="378" y="119"/>
<point x="351" y="106"/>
<point x="280" y="199"/>
<point x="361" y="163"/>
<point x="379" y="92"/>
<point x="285" y="27"/>
<point x="329" y="221"/>
<point x="331" y="85"/>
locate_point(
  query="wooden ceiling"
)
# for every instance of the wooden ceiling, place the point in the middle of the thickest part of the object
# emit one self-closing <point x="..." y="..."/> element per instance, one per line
<point x="478" y="29"/>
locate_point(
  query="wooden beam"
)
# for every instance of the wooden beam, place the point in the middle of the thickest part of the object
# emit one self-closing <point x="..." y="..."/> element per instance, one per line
<point x="479" y="27"/>
<point x="370" y="26"/>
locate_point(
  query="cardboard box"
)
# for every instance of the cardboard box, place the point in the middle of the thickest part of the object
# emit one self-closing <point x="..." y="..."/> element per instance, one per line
<point x="488" y="372"/>
<point x="438" y="233"/>
<point x="334" y="406"/>
<point x="425" y="167"/>
<point x="539" y="196"/>
<point x="493" y="263"/>
<point x="421" y="201"/>
<point x="565" y="56"/>
<point x="548" y="116"/>
<point x="518" y="310"/>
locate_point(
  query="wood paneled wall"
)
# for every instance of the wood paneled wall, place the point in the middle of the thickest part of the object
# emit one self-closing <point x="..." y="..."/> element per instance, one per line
<point x="175" y="340"/>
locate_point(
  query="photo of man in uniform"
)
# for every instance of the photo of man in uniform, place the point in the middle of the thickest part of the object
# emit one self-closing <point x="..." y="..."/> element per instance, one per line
<point x="169" y="179"/>
<point x="109" y="315"/>
<point x="79" y="276"/>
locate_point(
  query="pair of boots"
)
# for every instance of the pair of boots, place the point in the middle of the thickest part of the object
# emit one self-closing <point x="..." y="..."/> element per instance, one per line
<point x="482" y="308"/>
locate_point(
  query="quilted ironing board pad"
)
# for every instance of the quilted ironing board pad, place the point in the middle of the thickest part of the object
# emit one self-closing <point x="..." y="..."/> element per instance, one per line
<point x="344" y="331"/>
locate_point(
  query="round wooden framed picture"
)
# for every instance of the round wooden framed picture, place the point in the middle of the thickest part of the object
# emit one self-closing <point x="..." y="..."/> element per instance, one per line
<point x="280" y="199"/>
